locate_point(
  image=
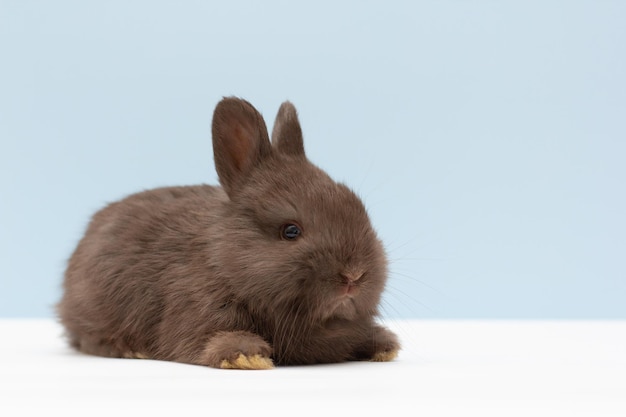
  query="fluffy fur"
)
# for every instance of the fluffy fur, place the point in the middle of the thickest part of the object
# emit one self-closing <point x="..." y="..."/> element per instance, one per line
<point x="202" y="275"/>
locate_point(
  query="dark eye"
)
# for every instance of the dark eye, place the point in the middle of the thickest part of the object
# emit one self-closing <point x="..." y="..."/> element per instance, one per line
<point x="290" y="231"/>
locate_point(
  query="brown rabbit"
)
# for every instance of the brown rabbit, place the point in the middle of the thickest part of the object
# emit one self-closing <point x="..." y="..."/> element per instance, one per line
<point x="280" y="265"/>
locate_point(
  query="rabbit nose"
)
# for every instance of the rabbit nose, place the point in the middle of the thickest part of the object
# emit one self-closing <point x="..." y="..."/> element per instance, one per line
<point x="351" y="277"/>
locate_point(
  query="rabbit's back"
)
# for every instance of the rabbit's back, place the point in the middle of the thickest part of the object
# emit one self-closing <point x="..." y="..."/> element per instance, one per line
<point x="114" y="283"/>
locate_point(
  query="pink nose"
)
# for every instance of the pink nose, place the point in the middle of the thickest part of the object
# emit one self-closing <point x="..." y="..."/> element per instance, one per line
<point x="351" y="277"/>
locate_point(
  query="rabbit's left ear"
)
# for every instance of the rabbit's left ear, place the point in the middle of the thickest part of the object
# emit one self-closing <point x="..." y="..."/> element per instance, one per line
<point x="287" y="133"/>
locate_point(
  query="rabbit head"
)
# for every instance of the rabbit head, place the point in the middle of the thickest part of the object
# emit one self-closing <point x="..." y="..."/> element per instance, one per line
<point x="295" y="244"/>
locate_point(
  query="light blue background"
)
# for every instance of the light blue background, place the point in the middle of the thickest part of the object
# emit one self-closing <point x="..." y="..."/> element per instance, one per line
<point x="487" y="138"/>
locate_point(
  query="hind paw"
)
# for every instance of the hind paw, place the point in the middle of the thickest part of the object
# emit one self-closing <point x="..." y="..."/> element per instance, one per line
<point x="134" y="355"/>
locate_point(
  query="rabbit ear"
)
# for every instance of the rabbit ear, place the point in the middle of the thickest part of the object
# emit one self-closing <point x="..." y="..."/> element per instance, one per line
<point x="287" y="134"/>
<point x="240" y="141"/>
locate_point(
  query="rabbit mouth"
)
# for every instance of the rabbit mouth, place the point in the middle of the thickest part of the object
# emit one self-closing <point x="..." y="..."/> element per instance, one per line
<point x="349" y="290"/>
<point x="344" y="305"/>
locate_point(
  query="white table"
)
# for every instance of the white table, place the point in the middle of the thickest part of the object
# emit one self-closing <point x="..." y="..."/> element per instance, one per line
<point x="447" y="368"/>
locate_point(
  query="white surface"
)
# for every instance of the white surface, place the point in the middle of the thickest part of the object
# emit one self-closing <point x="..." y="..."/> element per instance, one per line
<point x="449" y="368"/>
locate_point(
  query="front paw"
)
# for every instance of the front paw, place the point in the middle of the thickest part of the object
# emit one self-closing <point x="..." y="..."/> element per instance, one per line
<point x="247" y="362"/>
<point x="237" y="350"/>
<point x="385" y="356"/>
<point x="382" y="347"/>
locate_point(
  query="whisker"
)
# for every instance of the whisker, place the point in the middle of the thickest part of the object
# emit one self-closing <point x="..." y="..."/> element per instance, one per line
<point x="392" y="249"/>
<point x="394" y="260"/>
<point x="417" y="280"/>
<point x="401" y="296"/>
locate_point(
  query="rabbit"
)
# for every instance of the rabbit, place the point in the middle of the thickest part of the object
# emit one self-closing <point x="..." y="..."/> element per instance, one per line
<point x="278" y="266"/>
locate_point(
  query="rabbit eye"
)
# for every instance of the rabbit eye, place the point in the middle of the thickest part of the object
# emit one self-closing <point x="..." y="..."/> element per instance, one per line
<point x="290" y="231"/>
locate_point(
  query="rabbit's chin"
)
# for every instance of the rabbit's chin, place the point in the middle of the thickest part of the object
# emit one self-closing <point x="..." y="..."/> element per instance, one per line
<point x="344" y="308"/>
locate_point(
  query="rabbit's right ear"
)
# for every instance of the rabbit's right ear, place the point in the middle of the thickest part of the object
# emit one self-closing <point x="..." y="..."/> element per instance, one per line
<point x="240" y="141"/>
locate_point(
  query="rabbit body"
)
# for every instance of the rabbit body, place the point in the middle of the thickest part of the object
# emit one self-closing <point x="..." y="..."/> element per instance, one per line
<point x="279" y="265"/>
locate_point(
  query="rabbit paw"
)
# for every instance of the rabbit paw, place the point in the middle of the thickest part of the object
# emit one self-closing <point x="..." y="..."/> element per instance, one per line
<point x="237" y="350"/>
<point x="384" y="356"/>
<point x="134" y="355"/>
<point x="382" y="347"/>
<point x="247" y="362"/>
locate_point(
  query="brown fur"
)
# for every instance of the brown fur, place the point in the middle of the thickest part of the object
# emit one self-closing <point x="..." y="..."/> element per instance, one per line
<point x="201" y="275"/>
